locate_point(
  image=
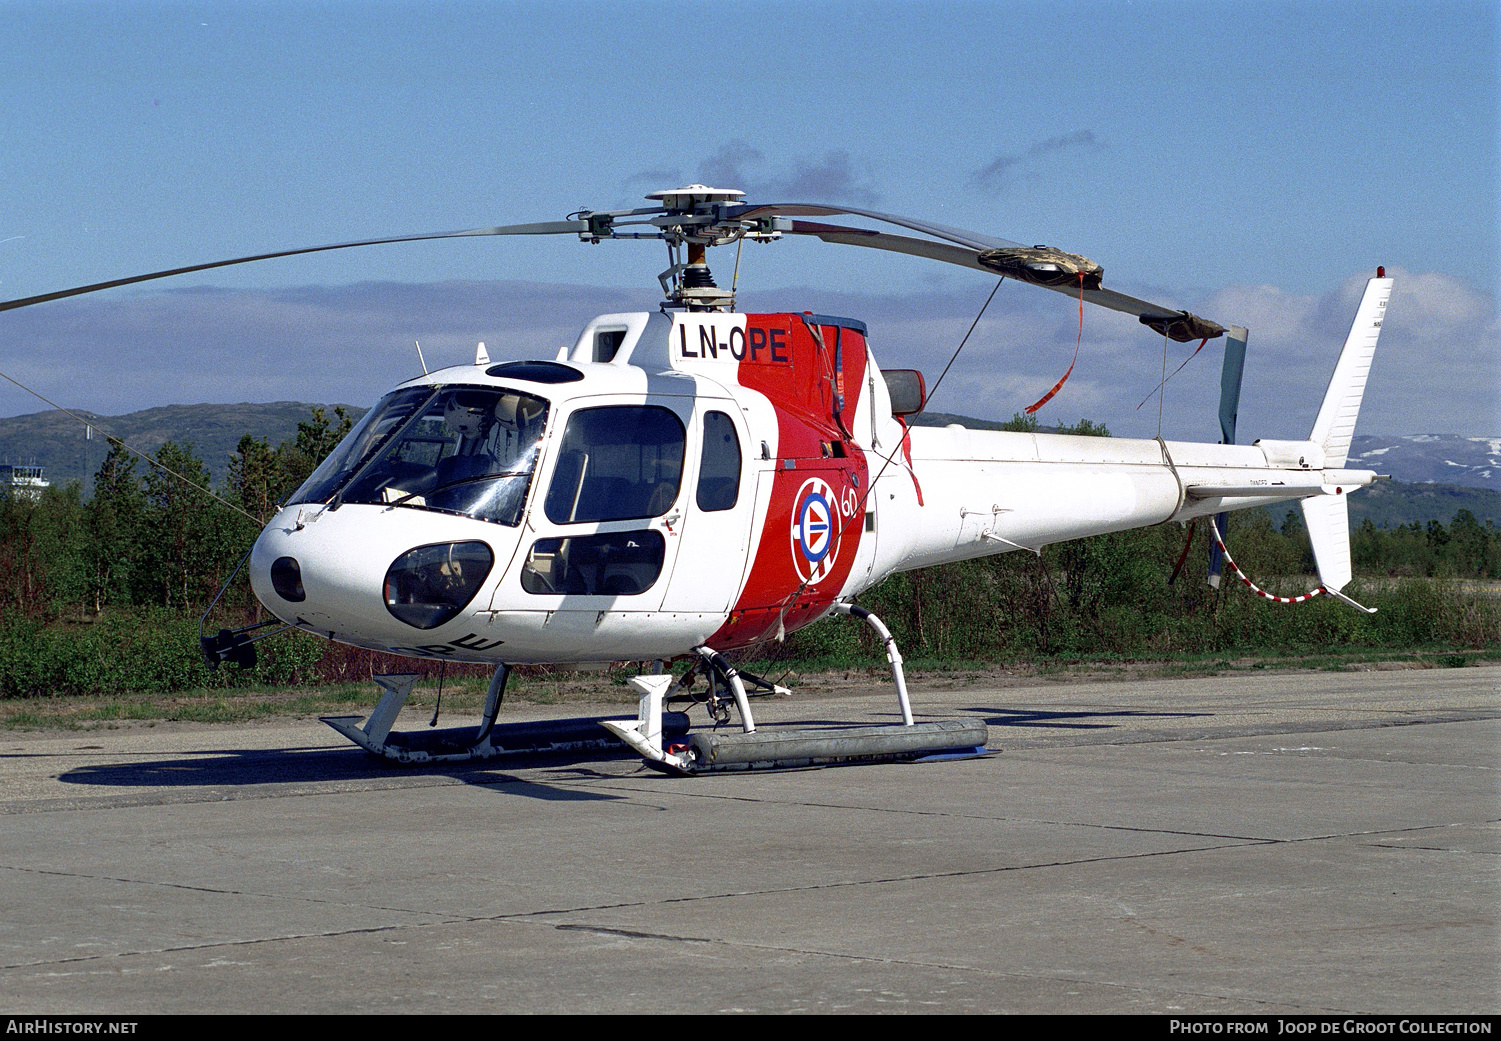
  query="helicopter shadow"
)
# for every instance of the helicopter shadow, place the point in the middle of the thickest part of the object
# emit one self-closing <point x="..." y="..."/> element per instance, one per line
<point x="1037" y="718"/>
<point x="995" y="717"/>
<point x="247" y="768"/>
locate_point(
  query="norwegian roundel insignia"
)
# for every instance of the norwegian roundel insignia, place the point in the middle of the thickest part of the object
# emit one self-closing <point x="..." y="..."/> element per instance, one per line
<point x="815" y="531"/>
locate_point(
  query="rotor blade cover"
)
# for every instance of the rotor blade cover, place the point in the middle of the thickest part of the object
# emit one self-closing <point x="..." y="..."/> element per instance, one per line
<point x="1043" y="266"/>
<point x="1183" y="326"/>
<point x="1180" y="325"/>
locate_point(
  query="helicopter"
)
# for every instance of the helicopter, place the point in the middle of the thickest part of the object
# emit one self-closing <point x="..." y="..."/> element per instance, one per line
<point x="696" y="480"/>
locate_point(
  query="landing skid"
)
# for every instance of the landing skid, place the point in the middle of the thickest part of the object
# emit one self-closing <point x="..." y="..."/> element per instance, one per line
<point x="836" y="746"/>
<point x="662" y="737"/>
<point x="457" y="744"/>
<point x="752" y="749"/>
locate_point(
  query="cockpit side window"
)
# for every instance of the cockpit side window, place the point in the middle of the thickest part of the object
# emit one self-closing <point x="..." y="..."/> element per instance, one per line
<point x="368" y="435"/>
<point x="719" y="467"/>
<point x="620" y="462"/>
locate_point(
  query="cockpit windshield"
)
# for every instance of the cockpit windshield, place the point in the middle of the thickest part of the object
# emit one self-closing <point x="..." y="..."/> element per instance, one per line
<point x="464" y="450"/>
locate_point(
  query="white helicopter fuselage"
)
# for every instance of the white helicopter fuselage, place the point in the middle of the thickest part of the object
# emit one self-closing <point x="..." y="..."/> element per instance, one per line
<point x="679" y="480"/>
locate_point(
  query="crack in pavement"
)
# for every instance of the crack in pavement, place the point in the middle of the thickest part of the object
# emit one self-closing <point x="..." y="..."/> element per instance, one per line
<point x="522" y="916"/>
<point x="917" y="963"/>
<point x="540" y="918"/>
<point x="268" y="790"/>
<point x="731" y="944"/>
<point x="302" y="789"/>
<point x="1235" y="842"/>
<point x="1048" y="822"/>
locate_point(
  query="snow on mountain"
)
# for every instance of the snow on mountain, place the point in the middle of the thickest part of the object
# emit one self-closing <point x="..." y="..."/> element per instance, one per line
<point x="1474" y="462"/>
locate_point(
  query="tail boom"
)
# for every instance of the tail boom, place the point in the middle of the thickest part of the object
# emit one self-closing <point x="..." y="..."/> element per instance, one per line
<point x="992" y="492"/>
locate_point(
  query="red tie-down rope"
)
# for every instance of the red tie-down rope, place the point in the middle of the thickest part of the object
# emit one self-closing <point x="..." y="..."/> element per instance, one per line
<point x="1059" y="385"/>
<point x="1215" y="528"/>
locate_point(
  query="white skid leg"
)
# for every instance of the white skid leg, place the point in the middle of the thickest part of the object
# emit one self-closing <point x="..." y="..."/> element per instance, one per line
<point x="372" y="735"/>
<point x="893" y="655"/>
<point x="398" y="687"/>
<point x="644" y="733"/>
<point x="493" y="696"/>
<point x="737" y="685"/>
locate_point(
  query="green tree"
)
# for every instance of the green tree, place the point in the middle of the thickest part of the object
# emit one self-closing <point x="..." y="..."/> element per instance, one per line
<point x="315" y="439"/>
<point x="189" y="534"/>
<point x="62" y="538"/>
<point x="1464" y="549"/>
<point x="24" y="589"/>
<point x="256" y="477"/>
<point x="116" y="516"/>
<point x="1085" y="428"/>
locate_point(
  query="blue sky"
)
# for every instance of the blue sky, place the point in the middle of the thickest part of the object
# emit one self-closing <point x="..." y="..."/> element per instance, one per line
<point x="1254" y="162"/>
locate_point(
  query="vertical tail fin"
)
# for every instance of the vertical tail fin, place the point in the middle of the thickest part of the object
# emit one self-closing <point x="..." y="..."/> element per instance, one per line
<point x="1336" y="423"/>
<point x="1328" y="515"/>
<point x="1328" y="521"/>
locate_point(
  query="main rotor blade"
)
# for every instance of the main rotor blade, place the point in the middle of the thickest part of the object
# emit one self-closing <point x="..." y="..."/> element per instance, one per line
<point x="963" y="256"/>
<point x="561" y="227"/>
<point x="972" y="239"/>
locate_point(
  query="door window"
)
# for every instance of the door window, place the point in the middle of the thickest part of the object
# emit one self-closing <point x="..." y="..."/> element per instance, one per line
<point x="621" y="462"/>
<point x="719" y="469"/>
<point x="620" y="563"/>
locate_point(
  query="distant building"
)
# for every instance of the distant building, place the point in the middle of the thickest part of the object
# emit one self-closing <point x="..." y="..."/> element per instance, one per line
<point x="26" y="481"/>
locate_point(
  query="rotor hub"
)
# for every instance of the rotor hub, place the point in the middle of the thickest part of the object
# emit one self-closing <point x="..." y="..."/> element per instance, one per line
<point x="690" y="197"/>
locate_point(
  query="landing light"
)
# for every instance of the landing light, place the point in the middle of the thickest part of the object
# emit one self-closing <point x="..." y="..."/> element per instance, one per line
<point x="429" y="585"/>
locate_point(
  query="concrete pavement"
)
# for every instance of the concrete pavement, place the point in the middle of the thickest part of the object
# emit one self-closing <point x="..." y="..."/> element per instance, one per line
<point x="1304" y="842"/>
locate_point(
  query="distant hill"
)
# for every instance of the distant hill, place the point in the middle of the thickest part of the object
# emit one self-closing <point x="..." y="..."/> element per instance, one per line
<point x="1474" y="462"/>
<point x="56" y="440"/>
<point x="1388" y="504"/>
<point x="943" y="419"/>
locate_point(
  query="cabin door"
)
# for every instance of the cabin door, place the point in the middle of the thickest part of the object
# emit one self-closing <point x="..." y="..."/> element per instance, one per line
<point x="717" y="507"/>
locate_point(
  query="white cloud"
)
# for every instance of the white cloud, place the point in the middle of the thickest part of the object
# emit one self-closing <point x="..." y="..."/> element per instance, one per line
<point x="1437" y="369"/>
<point x="1000" y="173"/>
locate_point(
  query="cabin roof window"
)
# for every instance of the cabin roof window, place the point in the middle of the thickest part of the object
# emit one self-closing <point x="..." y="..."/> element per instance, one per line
<point x="607" y="344"/>
<point x="536" y="371"/>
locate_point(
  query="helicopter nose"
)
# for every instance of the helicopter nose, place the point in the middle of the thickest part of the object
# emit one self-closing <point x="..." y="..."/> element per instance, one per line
<point x="376" y="576"/>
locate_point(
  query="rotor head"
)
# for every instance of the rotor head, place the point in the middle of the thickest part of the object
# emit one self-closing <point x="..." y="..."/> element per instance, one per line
<point x="688" y="198"/>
